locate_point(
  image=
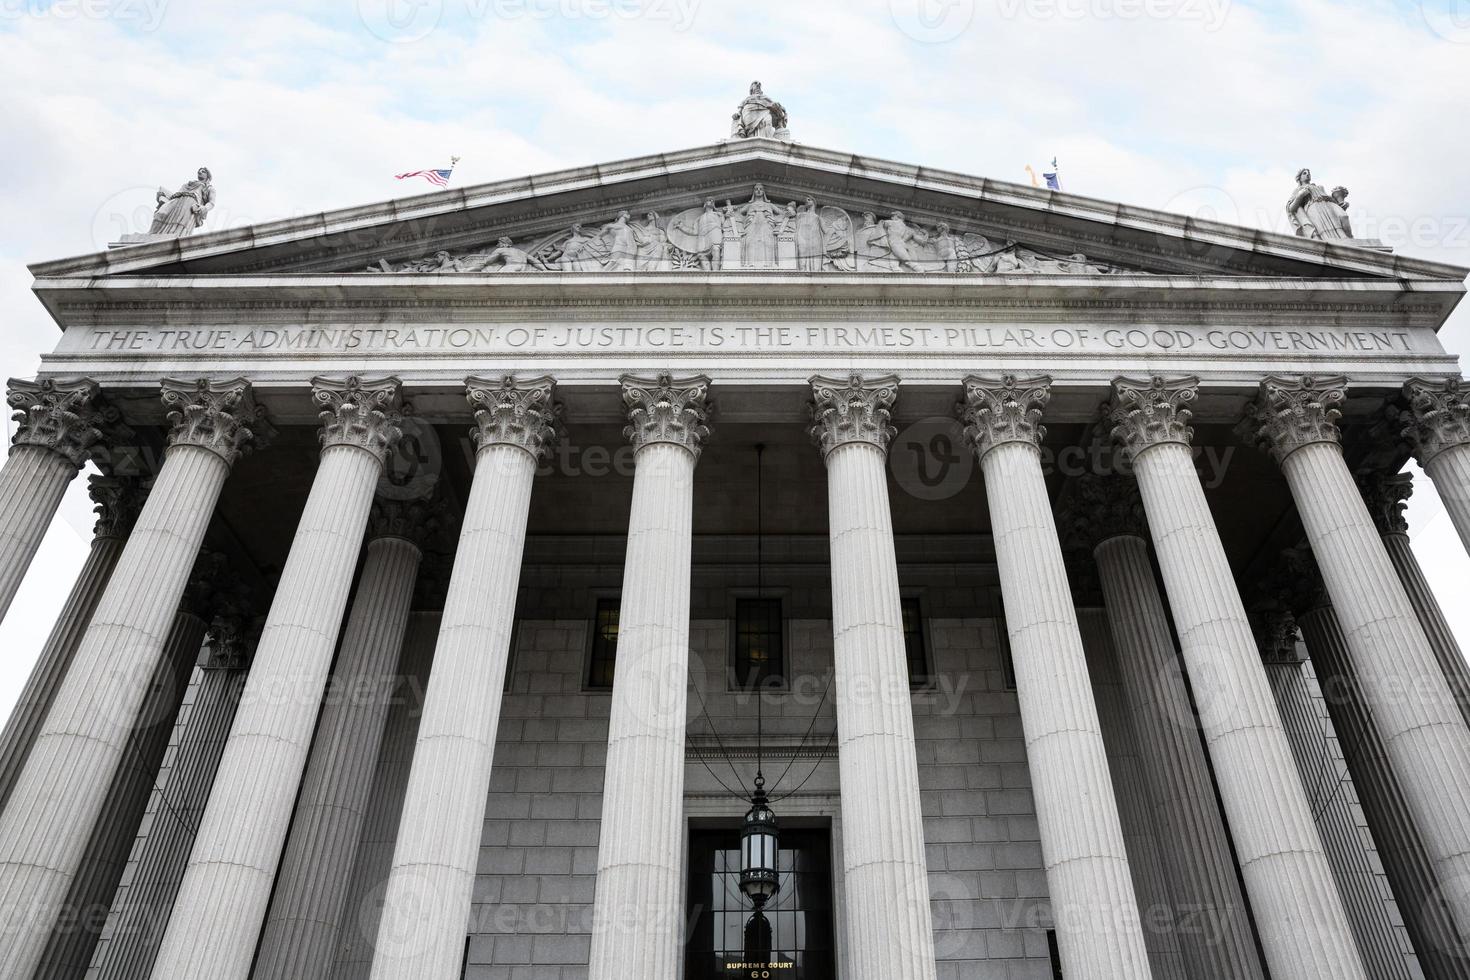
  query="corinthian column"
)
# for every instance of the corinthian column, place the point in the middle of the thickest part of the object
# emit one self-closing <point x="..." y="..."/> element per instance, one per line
<point x="421" y="932"/>
<point x="62" y="789"/>
<point x="889" y="924"/>
<point x="118" y="502"/>
<point x="56" y="427"/>
<point x="1320" y="763"/>
<point x="1157" y="906"/>
<point x="637" y="913"/>
<point x="1411" y="874"/>
<point x="1087" y="870"/>
<point x="1299" y="915"/>
<point x="1438" y="429"/>
<point x="1386" y="496"/>
<point x="1423" y="730"/>
<point x="130" y="942"/>
<point x="301" y="931"/>
<point x="1215" y="935"/>
<point x="70" y="948"/>
<point x="222" y="901"/>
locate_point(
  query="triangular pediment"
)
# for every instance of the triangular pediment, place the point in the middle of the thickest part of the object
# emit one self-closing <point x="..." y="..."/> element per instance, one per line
<point x="775" y="206"/>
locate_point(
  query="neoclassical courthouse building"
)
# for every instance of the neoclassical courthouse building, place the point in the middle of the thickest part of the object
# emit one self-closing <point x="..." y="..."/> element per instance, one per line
<point x="461" y="559"/>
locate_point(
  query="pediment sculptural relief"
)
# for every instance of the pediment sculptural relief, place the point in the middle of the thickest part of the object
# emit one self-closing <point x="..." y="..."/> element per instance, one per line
<point x="756" y="234"/>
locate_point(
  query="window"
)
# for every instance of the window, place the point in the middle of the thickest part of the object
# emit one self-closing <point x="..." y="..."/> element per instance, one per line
<point x="913" y="642"/>
<point x="604" y="657"/>
<point x="1056" y="954"/>
<point x="760" y="654"/>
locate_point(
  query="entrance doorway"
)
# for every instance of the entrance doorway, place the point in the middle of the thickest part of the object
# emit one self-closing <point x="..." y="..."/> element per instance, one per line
<point x="727" y="943"/>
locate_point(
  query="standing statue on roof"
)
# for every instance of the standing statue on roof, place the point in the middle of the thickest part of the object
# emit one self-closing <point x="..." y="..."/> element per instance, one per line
<point x="185" y="209"/>
<point x="759" y="116"/>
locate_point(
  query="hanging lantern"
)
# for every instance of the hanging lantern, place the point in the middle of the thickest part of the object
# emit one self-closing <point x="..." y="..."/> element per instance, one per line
<point x="759" y="840"/>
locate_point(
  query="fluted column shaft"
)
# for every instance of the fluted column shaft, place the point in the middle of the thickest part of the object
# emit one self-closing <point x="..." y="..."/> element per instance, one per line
<point x="1406" y="863"/>
<point x="62" y="789"/>
<point x="1087" y="871"/>
<point x="49" y="673"/>
<point x="305" y="912"/>
<point x="32" y="483"/>
<point x="222" y="901"/>
<point x="70" y="948"/>
<point x="1215" y="934"/>
<point x="1423" y="730"/>
<point x="889" y="922"/>
<point x="1450" y="471"/>
<point x="1431" y="618"/>
<point x="1303" y="928"/>
<point x="637" y="912"/>
<point x="1156" y="905"/>
<point x="1321" y="770"/>
<point x="128" y="950"/>
<point x="373" y="862"/>
<point x="422" y="927"/>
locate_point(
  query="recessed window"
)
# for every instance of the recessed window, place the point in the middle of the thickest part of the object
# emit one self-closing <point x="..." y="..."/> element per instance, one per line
<point x="604" y="657"/>
<point x="1055" y="953"/>
<point x="913" y="642"/>
<point x="760" y="653"/>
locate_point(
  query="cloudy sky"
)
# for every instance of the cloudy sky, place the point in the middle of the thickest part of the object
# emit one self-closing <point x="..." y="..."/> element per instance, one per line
<point x="1206" y="107"/>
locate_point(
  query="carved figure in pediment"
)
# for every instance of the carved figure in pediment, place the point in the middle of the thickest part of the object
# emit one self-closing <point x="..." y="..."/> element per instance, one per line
<point x="837" y="242"/>
<point x="761" y="219"/>
<point x="652" y="245"/>
<point x="870" y="245"/>
<point x="581" y="253"/>
<point x="700" y="235"/>
<point x="903" y="241"/>
<point x="811" y="238"/>
<point x="1316" y="214"/>
<point x="505" y="257"/>
<point x="620" y="243"/>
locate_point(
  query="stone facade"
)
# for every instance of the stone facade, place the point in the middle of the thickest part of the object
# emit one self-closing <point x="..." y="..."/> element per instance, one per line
<point x="545" y="570"/>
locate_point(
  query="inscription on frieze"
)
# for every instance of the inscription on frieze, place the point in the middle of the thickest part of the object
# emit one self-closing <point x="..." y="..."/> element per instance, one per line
<point x="741" y="339"/>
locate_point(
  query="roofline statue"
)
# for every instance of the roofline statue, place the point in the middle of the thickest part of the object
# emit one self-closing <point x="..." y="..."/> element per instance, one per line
<point x="759" y="116"/>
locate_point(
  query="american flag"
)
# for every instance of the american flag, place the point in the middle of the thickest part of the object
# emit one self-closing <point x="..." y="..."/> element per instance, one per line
<point x="439" y="178"/>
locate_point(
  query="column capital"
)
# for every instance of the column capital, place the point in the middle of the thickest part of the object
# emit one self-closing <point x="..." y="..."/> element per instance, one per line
<point x="1438" y="417"/>
<point x="855" y="409"/>
<point x="117" y="502"/>
<point x="1005" y="409"/>
<point x="524" y="414"/>
<point x="1290" y="413"/>
<point x="1276" y="633"/>
<point x="667" y="409"/>
<point x="220" y="416"/>
<point x="1097" y="508"/>
<point x="415" y="521"/>
<point x="61" y="416"/>
<point x="1152" y="412"/>
<point x="232" y="636"/>
<point x="1298" y="581"/>
<point x="359" y="412"/>
<point x="1387" y="495"/>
